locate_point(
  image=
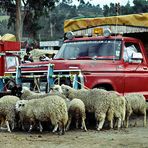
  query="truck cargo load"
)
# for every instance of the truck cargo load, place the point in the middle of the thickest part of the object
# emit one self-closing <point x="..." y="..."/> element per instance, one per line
<point x="124" y="23"/>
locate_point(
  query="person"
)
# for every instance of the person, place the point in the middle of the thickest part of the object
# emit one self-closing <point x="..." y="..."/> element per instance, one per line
<point x="28" y="58"/>
<point x="128" y="52"/>
<point x="28" y="49"/>
<point x="44" y="58"/>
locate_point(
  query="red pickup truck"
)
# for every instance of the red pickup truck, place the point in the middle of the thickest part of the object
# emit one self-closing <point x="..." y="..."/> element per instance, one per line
<point x="110" y="62"/>
<point x="113" y="63"/>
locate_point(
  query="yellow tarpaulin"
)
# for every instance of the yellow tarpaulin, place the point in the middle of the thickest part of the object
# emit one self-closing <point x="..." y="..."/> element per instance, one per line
<point x="133" y="20"/>
<point x="8" y="37"/>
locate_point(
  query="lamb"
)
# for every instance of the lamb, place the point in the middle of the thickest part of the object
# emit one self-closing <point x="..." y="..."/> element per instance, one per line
<point x="135" y="103"/>
<point x="51" y="108"/>
<point x="76" y="108"/>
<point x="7" y="111"/>
<point x="99" y="101"/>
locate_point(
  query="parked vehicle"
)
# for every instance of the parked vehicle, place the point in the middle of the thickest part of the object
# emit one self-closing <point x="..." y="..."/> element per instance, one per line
<point x="100" y="61"/>
<point x="9" y="60"/>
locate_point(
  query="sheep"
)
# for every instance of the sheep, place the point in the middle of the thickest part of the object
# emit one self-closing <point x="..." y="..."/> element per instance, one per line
<point x="119" y="104"/>
<point x="7" y="110"/>
<point x="76" y="108"/>
<point x="26" y="114"/>
<point x="51" y="108"/>
<point x="99" y="101"/>
<point x="28" y="94"/>
<point x="135" y="103"/>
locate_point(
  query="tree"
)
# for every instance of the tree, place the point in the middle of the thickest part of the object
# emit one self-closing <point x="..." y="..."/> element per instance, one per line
<point x="32" y="8"/>
<point x="18" y="20"/>
<point x="53" y="28"/>
<point x="127" y="9"/>
<point x="106" y="10"/>
<point x="140" y="6"/>
<point x="89" y="10"/>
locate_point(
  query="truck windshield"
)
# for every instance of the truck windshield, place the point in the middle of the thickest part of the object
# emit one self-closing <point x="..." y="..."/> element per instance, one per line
<point x="102" y="49"/>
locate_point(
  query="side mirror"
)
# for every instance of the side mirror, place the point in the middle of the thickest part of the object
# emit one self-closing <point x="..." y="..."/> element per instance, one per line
<point x="136" y="57"/>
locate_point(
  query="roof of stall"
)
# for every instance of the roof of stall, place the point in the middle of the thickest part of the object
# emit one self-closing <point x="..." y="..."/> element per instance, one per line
<point x="124" y="23"/>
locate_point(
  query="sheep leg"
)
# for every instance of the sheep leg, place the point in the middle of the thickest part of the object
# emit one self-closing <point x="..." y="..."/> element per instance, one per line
<point x="61" y="129"/>
<point x="101" y="119"/>
<point x="110" y="118"/>
<point x="55" y="128"/>
<point x="111" y="124"/>
<point x="115" y="123"/>
<point x="13" y="125"/>
<point x="83" y="125"/>
<point x="119" y="123"/>
<point x="23" y="128"/>
<point x="77" y="124"/>
<point x="32" y="123"/>
<point x="2" y="123"/>
<point x="8" y="127"/>
<point x="100" y="125"/>
<point x="68" y="124"/>
<point x="144" y="120"/>
<point x="40" y="126"/>
<point x="126" y="121"/>
<point x="30" y="128"/>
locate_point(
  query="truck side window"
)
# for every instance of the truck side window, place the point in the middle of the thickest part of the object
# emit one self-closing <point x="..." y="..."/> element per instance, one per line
<point x="11" y="61"/>
<point x="129" y="49"/>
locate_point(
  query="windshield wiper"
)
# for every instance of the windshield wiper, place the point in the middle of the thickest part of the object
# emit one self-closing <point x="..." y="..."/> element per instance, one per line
<point x="72" y="58"/>
<point x="84" y="58"/>
<point x="104" y="58"/>
<point x="58" y="59"/>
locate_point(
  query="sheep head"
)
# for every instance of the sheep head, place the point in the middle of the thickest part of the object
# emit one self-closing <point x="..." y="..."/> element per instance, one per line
<point x="66" y="89"/>
<point x="56" y="88"/>
<point x="20" y="105"/>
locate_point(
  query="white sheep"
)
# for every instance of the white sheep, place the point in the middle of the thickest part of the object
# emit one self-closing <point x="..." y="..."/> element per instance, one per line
<point x="135" y="103"/>
<point x="51" y="108"/>
<point x="76" y="108"/>
<point x="119" y="105"/>
<point x="98" y="101"/>
<point x="27" y="94"/>
<point x="7" y="110"/>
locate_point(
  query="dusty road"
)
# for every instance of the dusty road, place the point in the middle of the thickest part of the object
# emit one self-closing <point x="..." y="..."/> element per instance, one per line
<point x="132" y="137"/>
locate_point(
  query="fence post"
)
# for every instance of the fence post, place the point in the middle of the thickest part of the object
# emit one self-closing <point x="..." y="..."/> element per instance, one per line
<point x="75" y="81"/>
<point x="50" y="80"/>
<point x="1" y="85"/>
<point x="18" y="76"/>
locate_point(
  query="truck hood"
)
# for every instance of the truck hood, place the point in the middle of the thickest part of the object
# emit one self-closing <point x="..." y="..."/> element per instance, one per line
<point x="83" y="65"/>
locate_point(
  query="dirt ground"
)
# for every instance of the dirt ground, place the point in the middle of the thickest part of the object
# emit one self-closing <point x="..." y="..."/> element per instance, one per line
<point x="132" y="137"/>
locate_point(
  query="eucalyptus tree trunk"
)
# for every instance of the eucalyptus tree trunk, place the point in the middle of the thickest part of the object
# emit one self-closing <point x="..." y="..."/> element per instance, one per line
<point x="18" y="21"/>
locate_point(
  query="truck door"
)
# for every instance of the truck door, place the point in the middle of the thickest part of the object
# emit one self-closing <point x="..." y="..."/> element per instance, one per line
<point x="136" y="71"/>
